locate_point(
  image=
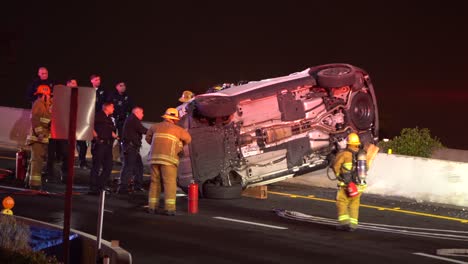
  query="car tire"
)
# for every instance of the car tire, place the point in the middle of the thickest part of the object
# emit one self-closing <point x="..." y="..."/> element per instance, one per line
<point x="213" y="191"/>
<point x="337" y="76"/>
<point x="362" y="111"/>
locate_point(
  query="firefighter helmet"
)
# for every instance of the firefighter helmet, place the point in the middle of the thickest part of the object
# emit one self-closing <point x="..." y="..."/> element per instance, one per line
<point x="217" y="88"/>
<point x="43" y="89"/>
<point x="186" y="96"/>
<point x="353" y="139"/>
<point x="171" y="113"/>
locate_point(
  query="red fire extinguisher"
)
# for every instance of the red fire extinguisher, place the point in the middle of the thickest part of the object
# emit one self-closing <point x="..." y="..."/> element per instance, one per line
<point x="193" y="197"/>
<point x="352" y="189"/>
<point x="20" y="165"/>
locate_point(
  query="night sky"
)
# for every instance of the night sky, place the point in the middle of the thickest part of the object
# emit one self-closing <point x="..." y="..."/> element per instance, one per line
<point x="416" y="53"/>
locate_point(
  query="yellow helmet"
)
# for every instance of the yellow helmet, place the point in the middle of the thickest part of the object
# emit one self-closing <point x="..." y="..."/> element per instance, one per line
<point x="186" y="96"/>
<point x="217" y="88"/>
<point x="171" y="113"/>
<point x="353" y="139"/>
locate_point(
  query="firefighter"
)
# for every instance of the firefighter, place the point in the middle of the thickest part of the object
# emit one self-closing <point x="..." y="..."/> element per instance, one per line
<point x="185" y="99"/>
<point x="350" y="186"/>
<point x="167" y="140"/>
<point x="39" y="137"/>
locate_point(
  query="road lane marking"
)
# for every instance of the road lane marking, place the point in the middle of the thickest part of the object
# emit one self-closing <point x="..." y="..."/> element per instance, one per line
<point x="441" y="258"/>
<point x="248" y="222"/>
<point x="293" y="215"/>
<point x="457" y="252"/>
<point x="376" y="207"/>
<point x="109" y="211"/>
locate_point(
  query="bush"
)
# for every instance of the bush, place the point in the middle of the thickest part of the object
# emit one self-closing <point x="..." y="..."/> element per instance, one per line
<point x="15" y="236"/>
<point x="14" y="247"/>
<point x="413" y="142"/>
<point x="25" y="257"/>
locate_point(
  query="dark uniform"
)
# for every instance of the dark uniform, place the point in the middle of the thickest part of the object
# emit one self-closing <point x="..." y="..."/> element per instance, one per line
<point x="102" y="151"/>
<point x="101" y="97"/>
<point x="131" y="144"/>
<point x="122" y="108"/>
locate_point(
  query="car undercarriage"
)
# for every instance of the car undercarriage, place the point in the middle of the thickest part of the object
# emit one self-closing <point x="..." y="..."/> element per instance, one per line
<point x="266" y="131"/>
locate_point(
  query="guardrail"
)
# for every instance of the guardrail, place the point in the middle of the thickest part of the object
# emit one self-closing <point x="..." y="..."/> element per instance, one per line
<point x="116" y="254"/>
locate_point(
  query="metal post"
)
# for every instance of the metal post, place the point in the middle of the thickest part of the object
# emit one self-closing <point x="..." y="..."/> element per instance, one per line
<point x="71" y="162"/>
<point x="99" y="225"/>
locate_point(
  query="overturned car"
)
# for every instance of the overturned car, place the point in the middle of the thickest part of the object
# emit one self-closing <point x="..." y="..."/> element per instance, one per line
<point x="269" y="130"/>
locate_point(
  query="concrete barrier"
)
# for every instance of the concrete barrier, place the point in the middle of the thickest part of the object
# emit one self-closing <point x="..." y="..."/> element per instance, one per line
<point x="16" y="126"/>
<point x="116" y="254"/>
<point x="428" y="180"/>
<point x="425" y="180"/>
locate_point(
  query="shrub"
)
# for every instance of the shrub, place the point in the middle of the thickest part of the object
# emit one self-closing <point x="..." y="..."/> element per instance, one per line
<point x="25" y="257"/>
<point x="15" y="235"/>
<point x="413" y="142"/>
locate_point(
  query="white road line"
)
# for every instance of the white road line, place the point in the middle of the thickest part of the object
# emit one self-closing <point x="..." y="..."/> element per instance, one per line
<point x="249" y="223"/>
<point x="326" y="221"/>
<point x="416" y="228"/>
<point x="441" y="258"/>
<point x="458" y="252"/>
<point x="13" y="188"/>
<point x="109" y="211"/>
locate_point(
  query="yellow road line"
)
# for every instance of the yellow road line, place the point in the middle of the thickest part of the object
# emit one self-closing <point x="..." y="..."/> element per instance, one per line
<point x="8" y="158"/>
<point x="396" y="209"/>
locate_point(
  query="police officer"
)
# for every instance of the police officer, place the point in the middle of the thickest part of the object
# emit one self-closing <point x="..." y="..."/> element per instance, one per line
<point x="123" y="106"/>
<point x="41" y="79"/>
<point x="350" y="187"/>
<point x="167" y="140"/>
<point x="39" y="137"/>
<point x="131" y="144"/>
<point x="101" y="149"/>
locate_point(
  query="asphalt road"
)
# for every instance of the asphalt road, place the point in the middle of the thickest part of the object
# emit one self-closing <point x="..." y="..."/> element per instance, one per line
<point x="248" y="231"/>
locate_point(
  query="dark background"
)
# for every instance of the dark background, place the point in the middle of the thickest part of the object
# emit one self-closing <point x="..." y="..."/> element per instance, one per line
<point x="416" y="53"/>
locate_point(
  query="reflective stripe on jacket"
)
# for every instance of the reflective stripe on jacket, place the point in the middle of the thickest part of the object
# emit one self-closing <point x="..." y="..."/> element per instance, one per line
<point x="40" y="122"/>
<point x="167" y="140"/>
<point x="344" y="162"/>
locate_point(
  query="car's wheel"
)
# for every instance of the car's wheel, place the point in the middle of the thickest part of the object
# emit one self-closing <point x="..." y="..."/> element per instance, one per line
<point x="362" y="111"/>
<point x="337" y="76"/>
<point x="214" y="191"/>
<point x="215" y="106"/>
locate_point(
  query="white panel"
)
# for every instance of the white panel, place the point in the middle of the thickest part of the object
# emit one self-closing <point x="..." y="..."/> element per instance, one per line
<point x="259" y="110"/>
